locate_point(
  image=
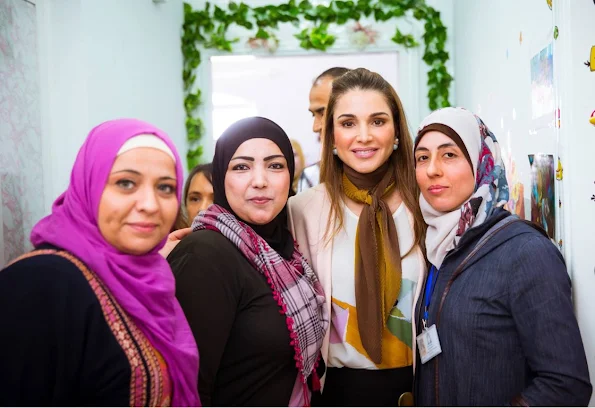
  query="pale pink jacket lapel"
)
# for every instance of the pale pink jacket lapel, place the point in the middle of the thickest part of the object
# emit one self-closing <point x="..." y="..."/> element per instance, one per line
<point x="308" y="215"/>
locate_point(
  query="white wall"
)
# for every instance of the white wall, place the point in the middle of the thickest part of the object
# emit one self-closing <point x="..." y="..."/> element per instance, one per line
<point x="493" y="79"/>
<point x="577" y="93"/>
<point x="102" y="60"/>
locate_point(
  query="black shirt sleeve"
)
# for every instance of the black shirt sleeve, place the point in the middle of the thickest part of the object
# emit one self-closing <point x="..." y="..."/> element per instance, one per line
<point x="208" y="289"/>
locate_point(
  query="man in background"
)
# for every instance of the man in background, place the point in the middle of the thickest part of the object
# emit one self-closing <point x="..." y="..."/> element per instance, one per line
<point x="319" y="96"/>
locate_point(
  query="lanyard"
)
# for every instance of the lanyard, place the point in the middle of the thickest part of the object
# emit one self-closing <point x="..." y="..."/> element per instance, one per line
<point x="430" y="285"/>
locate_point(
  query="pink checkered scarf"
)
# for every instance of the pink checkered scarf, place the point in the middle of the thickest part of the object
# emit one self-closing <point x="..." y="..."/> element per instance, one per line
<point x="295" y="286"/>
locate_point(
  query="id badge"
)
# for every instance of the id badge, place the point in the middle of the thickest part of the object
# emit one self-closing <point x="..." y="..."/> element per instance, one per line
<point x="428" y="344"/>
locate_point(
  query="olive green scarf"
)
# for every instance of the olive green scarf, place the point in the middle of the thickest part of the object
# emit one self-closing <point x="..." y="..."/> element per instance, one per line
<point x="377" y="255"/>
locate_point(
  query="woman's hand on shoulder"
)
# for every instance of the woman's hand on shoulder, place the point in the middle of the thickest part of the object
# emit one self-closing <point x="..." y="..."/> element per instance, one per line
<point x="174" y="239"/>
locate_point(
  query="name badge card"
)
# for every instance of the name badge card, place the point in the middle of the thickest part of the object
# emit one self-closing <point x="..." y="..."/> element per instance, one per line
<point x="428" y="344"/>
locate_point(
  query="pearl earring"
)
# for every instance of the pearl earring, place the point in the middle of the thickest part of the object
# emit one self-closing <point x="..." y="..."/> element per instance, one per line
<point x="396" y="145"/>
<point x="335" y="151"/>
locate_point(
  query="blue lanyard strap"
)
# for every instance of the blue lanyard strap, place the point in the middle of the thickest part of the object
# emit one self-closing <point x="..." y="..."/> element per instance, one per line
<point x="430" y="285"/>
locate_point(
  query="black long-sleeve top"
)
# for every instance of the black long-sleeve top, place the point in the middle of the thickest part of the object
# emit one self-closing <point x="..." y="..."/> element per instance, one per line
<point x="242" y="336"/>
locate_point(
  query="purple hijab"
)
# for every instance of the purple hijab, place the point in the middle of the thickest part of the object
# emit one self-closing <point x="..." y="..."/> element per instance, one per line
<point x="143" y="285"/>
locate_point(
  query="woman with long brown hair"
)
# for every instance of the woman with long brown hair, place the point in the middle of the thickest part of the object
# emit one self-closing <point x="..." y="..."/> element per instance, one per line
<point x="362" y="230"/>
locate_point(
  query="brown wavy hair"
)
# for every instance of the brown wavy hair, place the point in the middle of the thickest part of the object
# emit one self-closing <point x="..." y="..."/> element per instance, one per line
<point x="331" y="167"/>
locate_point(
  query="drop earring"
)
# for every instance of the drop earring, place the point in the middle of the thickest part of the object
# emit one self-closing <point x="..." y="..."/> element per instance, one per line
<point x="335" y="151"/>
<point x="396" y="145"/>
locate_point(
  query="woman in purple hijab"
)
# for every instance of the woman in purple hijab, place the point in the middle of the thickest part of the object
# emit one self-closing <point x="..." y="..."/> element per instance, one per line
<point x="90" y="318"/>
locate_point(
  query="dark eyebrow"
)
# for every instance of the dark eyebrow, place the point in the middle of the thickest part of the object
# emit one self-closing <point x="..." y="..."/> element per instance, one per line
<point x="442" y="146"/>
<point x="445" y="145"/>
<point x="136" y="173"/>
<point x="351" y="115"/>
<point x="275" y="156"/>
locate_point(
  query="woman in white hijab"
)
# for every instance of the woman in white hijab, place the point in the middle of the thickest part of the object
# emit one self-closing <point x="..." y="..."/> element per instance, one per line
<point x="496" y="323"/>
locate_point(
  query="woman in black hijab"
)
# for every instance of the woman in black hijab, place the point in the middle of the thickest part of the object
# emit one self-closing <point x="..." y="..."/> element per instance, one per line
<point x="274" y="232"/>
<point x="254" y="304"/>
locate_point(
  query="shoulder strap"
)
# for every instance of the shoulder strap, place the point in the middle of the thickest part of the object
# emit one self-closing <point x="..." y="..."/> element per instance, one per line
<point x="505" y="222"/>
<point x="500" y="225"/>
<point x="494" y="229"/>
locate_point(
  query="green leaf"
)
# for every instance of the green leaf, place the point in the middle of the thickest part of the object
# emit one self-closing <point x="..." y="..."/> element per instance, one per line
<point x="194" y="129"/>
<point x="406" y="40"/>
<point x="262" y="34"/>
<point x="219" y="14"/>
<point x="355" y="15"/>
<point x="246" y="24"/>
<point x="193" y="157"/>
<point x="380" y="15"/>
<point x="191" y="102"/>
<point x="419" y="14"/>
<point x="305" y="5"/>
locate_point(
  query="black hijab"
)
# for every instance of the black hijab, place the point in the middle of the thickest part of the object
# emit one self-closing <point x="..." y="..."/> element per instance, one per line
<point x="275" y="233"/>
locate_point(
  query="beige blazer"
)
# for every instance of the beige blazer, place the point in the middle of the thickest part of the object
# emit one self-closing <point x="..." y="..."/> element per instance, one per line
<point x="308" y="217"/>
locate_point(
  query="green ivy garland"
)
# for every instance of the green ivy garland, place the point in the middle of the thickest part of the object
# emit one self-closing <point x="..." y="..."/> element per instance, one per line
<point x="207" y="28"/>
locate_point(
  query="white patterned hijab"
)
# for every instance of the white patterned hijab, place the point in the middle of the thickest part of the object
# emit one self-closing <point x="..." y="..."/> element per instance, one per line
<point x="445" y="229"/>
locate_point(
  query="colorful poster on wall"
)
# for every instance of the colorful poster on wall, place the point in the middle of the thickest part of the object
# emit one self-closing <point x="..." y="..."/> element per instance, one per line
<point x="542" y="83"/>
<point x="543" y="194"/>
<point x="516" y="200"/>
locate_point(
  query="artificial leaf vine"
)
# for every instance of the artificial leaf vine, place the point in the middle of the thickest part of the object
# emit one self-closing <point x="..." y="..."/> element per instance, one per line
<point x="207" y="28"/>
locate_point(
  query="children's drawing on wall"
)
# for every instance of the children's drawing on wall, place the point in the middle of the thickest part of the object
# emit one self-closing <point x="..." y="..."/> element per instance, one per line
<point x="560" y="214"/>
<point x="543" y="195"/>
<point x="516" y="201"/>
<point x="591" y="62"/>
<point x="542" y="83"/>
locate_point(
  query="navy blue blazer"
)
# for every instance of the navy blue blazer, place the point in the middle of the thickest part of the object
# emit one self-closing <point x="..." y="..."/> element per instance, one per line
<point x="506" y="325"/>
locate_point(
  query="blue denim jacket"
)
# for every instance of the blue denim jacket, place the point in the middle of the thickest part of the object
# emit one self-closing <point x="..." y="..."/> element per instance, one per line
<point x="507" y="327"/>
